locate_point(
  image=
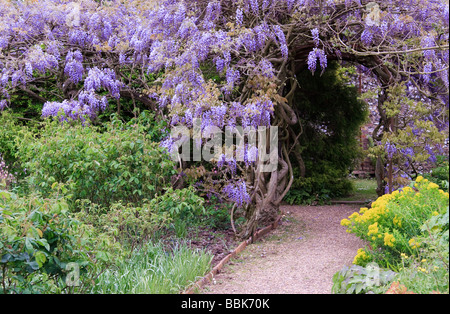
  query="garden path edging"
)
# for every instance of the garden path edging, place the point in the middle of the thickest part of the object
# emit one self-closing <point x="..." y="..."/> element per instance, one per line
<point x="207" y="278"/>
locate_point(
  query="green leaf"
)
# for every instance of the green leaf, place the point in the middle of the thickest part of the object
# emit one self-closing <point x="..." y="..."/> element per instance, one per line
<point x="28" y="244"/>
<point x="6" y="195"/>
<point x="40" y="258"/>
<point x="34" y="265"/>
<point x="44" y="243"/>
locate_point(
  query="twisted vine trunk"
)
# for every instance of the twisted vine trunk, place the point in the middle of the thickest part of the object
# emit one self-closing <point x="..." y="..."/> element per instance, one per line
<point x="269" y="188"/>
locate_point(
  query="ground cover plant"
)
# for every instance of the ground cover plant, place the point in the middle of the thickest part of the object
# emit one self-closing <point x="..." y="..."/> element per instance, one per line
<point x="152" y="270"/>
<point x="407" y="232"/>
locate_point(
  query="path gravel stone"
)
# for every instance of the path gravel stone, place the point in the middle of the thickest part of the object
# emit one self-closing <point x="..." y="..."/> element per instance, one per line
<point x="300" y="257"/>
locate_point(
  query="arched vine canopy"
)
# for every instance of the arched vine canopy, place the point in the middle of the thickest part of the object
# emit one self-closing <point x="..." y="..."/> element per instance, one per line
<point x="232" y="63"/>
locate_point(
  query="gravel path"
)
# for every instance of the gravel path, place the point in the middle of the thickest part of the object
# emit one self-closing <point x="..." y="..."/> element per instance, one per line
<point x="300" y="257"/>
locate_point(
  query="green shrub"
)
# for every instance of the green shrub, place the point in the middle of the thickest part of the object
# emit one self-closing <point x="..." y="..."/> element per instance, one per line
<point x="10" y="130"/>
<point x="393" y="225"/>
<point x="424" y="272"/>
<point x="217" y="213"/>
<point x="43" y="249"/>
<point x="132" y="226"/>
<point x="319" y="188"/>
<point x="359" y="280"/>
<point x="120" y="163"/>
<point x="182" y="206"/>
<point x="440" y="174"/>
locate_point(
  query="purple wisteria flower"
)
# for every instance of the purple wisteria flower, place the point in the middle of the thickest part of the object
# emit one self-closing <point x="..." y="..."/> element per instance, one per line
<point x="391" y="149"/>
<point x="427" y="69"/>
<point x="237" y="193"/>
<point x="3" y="104"/>
<point x="239" y="17"/>
<point x="315" y="54"/>
<point x="254" y="6"/>
<point x="281" y="40"/>
<point x="367" y="36"/>
<point x="66" y="110"/>
<point x="315" y="34"/>
<point x="74" y="67"/>
<point x="266" y="69"/>
<point x="103" y="78"/>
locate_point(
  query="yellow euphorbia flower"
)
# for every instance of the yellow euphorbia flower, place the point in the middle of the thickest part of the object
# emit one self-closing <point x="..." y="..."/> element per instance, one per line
<point x="413" y="244"/>
<point x="373" y="229"/>
<point x="389" y="239"/>
<point x="354" y="215"/>
<point x="397" y="221"/>
<point x="407" y="189"/>
<point x="360" y="256"/>
<point x="345" y="222"/>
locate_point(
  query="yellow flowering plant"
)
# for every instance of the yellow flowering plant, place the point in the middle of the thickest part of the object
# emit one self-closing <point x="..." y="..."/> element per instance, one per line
<point x="392" y="225"/>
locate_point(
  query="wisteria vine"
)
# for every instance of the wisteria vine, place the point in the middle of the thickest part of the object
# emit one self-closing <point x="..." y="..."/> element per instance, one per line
<point x="228" y="63"/>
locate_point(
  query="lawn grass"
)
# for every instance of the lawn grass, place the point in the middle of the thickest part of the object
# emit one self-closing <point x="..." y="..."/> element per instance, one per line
<point x="363" y="190"/>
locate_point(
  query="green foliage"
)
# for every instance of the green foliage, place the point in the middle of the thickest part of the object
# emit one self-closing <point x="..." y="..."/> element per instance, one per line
<point x="121" y="163"/>
<point x="393" y="224"/>
<point x="154" y="269"/>
<point x="38" y="242"/>
<point x="129" y="225"/>
<point x="134" y="226"/>
<point x="360" y="280"/>
<point x="10" y="130"/>
<point x="319" y="188"/>
<point x="217" y="213"/>
<point x="425" y="271"/>
<point x="440" y="174"/>
<point x="330" y="116"/>
<point x="428" y="271"/>
<point x="182" y="206"/>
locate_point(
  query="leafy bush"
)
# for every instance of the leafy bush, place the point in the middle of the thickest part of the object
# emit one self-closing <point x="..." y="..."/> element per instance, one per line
<point x="120" y="164"/>
<point x="182" y="206"/>
<point x="428" y="271"/>
<point x="134" y="225"/>
<point x="358" y="280"/>
<point x="425" y="272"/>
<point x="393" y="225"/>
<point x="440" y="174"/>
<point x="217" y="213"/>
<point x="8" y="134"/>
<point x="43" y="249"/>
<point x="318" y="188"/>
<point x="11" y="130"/>
<point x="127" y="224"/>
